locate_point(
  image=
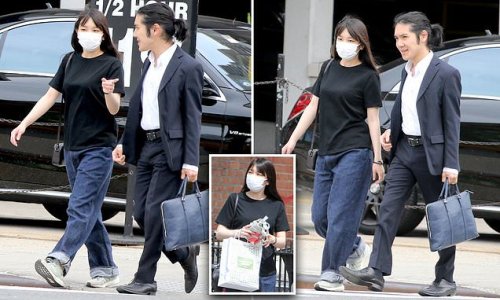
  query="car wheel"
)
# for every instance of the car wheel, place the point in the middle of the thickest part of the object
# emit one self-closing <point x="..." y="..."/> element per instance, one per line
<point x="409" y="220"/>
<point x="58" y="211"/>
<point x="494" y="224"/>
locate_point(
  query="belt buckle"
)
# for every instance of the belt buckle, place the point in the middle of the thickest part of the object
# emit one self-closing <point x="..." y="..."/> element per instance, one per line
<point x="151" y="136"/>
<point x="414" y="141"/>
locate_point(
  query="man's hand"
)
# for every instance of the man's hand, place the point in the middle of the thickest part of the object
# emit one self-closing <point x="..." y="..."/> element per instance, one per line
<point x="385" y="140"/>
<point x="118" y="156"/>
<point x="452" y="177"/>
<point x="191" y="175"/>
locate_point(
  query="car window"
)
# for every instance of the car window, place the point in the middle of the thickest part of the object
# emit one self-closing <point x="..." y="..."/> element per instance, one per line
<point x="229" y="56"/>
<point x="36" y="48"/>
<point x="480" y="71"/>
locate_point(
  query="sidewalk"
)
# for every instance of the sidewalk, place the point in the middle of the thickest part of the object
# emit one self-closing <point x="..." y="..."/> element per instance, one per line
<point x="477" y="270"/>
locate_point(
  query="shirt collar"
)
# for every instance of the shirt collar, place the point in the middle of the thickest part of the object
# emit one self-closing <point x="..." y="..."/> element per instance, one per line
<point x="164" y="58"/>
<point x="421" y="65"/>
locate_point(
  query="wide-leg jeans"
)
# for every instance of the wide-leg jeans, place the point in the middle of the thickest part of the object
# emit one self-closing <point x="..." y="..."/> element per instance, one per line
<point x="341" y="183"/>
<point x="89" y="173"/>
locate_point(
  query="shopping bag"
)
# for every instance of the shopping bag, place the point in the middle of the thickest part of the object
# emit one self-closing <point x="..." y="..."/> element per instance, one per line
<point x="185" y="218"/>
<point x="240" y="265"/>
<point x="450" y="220"/>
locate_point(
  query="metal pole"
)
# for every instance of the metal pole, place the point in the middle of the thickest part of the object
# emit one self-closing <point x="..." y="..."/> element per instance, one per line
<point x="128" y="229"/>
<point x="280" y="92"/>
<point x="129" y="207"/>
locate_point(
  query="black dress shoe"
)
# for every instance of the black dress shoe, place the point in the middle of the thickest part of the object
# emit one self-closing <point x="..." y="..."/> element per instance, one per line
<point x="365" y="277"/>
<point x="442" y="288"/>
<point x="190" y="268"/>
<point x="138" y="288"/>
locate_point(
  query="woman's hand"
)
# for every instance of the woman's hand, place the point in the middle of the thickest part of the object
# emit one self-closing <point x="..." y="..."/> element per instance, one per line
<point x="288" y="148"/>
<point x="17" y="133"/>
<point x="378" y="173"/>
<point x="270" y="240"/>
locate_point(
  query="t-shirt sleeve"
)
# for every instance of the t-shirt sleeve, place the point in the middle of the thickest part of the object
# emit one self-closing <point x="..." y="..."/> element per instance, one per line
<point x="281" y="220"/>
<point x="317" y="85"/>
<point x="58" y="79"/>
<point x="372" y="91"/>
<point x="116" y="71"/>
<point x="226" y="213"/>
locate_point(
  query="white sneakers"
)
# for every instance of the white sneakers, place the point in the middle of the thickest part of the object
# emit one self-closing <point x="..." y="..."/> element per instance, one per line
<point x="51" y="270"/>
<point x="359" y="259"/>
<point x="102" y="282"/>
<point x="328" y="286"/>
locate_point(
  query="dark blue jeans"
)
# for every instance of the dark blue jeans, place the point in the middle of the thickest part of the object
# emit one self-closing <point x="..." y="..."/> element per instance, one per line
<point x="89" y="173"/>
<point x="340" y="186"/>
<point x="267" y="284"/>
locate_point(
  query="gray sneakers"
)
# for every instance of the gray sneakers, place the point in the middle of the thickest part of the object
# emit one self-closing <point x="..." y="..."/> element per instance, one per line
<point x="102" y="282"/>
<point x="51" y="270"/>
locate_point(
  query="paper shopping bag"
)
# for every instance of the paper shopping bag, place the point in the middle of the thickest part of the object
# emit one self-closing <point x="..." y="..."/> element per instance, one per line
<point x="240" y="265"/>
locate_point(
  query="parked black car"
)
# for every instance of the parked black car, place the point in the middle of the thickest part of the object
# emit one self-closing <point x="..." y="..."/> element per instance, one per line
<point x="32" y="45"/>
<point x="478" y="60"/>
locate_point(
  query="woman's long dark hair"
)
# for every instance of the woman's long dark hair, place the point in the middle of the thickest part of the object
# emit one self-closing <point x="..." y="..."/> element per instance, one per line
<point x="101" y="22"/>
<point x="163" y="15"/>
<point x="357" y="29"/>
<point x="265" y="167"/>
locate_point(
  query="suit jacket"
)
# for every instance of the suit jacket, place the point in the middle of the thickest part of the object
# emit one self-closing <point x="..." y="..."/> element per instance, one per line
<point x="438" y="108"/>
<point x="179" y="100"/>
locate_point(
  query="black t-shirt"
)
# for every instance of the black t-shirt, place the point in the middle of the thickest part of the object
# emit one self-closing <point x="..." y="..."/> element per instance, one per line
<point x="88" y="122"/>
<point x="248" y="210"/>
<point x="344" y="95"/>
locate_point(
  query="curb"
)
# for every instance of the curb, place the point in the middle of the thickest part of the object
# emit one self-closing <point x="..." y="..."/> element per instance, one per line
<point x="307" y="282"/>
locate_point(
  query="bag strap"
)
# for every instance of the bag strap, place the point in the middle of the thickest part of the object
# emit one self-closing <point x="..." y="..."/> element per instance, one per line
<point x="62" y="100"/>
<point x="231" y="224"/>
<point x="317" y="110"/>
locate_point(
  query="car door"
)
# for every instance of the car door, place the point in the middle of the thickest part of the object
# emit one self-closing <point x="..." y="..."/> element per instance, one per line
<point x="30" y="54"/>
<point x="479" y="68"/>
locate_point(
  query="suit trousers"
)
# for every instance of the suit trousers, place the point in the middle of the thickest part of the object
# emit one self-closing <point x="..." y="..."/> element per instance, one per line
<point x="408" y="167"/>
<point x="155" y="183"/>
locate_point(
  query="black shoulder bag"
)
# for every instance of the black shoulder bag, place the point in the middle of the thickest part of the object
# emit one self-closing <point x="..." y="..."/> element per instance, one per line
<point x="312" y="153"/>
<point x="58" y="153"/>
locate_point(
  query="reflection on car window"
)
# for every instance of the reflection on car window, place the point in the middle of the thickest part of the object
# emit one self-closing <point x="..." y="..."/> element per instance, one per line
<point x="480" y="71"/>
<point x="36" y="48"/>
<point x="229" y="56"/>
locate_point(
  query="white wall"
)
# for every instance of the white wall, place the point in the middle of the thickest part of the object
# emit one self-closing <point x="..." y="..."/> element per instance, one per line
<point x="307" y="42"/>
<point x="73" y="4"/>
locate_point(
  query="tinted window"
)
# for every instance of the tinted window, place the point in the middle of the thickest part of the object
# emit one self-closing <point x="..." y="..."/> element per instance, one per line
<point x="229" y="56"/>
<point x="36" y="48"/>
<point x="480" y="71"/>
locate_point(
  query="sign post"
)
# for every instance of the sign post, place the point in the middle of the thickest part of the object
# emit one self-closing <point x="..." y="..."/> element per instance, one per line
<point x="121" y="16"/>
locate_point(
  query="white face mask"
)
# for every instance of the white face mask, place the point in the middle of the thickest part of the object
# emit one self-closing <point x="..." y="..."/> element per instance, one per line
<point x="346" y="50"/>
<point x="255" y="183"/>
<point x="89" y="41"/>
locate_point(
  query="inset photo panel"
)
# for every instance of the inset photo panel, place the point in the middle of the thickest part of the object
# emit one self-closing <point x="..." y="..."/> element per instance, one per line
<point x="252" y="205"/>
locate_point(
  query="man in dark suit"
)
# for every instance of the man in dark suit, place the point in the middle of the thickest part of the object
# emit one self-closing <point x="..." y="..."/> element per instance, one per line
<point x="423" y="142"/>
<point x="161" y="138"/>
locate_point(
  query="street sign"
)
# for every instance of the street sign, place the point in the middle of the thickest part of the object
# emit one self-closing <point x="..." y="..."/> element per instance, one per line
<point x="121" y="15"/>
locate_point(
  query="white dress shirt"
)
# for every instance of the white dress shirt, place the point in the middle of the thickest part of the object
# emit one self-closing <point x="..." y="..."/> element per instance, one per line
<point x="150" y="88"/>
<point x="411" y="123"/>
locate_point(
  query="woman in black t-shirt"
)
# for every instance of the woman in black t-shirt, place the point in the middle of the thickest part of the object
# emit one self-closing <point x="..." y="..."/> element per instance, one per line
<point x="91" y="82"/>
<point x="258" y="198"/>
<point x="348" y="94"/>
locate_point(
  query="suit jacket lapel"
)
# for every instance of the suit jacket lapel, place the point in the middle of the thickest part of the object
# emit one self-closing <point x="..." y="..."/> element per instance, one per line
<point x="428" y="76"/>
<point x="171" y="68"/>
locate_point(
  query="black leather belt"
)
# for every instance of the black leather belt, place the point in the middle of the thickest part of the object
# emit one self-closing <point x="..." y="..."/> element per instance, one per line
<point x="414" y="141"/>
<point x="152" y="135"/>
